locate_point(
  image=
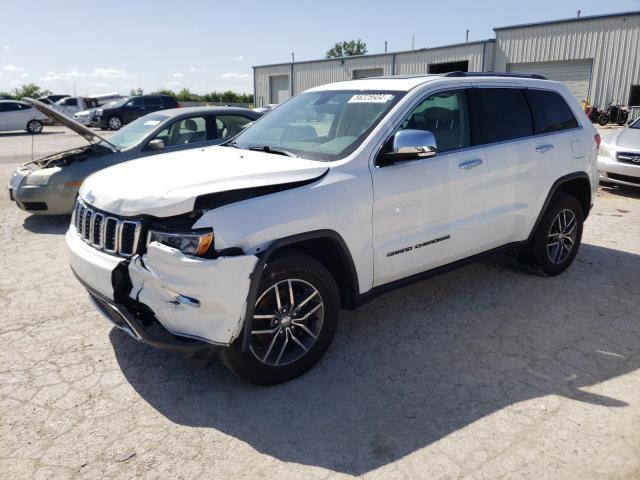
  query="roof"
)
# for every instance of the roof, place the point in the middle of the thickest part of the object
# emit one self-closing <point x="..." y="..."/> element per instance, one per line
<point x="404" y="83"/>
<point x="371" y="55"/>
<point x="566" y="20"/>
<point x="176" y="112"/>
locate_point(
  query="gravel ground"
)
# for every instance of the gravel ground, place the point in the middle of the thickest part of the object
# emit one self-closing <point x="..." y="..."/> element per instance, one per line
<point x="485" y="372"/>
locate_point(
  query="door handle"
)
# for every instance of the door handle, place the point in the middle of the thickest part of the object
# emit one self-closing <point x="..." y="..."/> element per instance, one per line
<point x="544" y="148"/>
<point x="469" y="164"/>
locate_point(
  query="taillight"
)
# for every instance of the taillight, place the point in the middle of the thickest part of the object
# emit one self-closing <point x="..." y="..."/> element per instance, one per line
<point x="180" y="106"/>
<point x="597" y="139"/>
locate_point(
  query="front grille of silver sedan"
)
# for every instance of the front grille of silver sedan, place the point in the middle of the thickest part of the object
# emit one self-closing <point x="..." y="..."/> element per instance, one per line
<point x="629" y="157"/>
<point x="106" y="232"/>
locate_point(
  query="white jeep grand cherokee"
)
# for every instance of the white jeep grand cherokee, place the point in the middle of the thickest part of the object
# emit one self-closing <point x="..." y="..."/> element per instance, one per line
<point x="341" y="193"/>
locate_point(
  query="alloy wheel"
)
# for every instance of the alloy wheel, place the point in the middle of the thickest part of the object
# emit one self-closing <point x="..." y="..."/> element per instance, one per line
<point x="115" y="123"/>
<point x="287" y="321"/>
<point x="562" y="236"/>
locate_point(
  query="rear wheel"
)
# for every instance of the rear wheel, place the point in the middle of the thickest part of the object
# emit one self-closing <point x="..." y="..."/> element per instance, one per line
<point x="603" y="119"/>
<point x="115" y="123"/>
<point x="294" y="321"/>
<point x="557" y="238"/>
<point x="34" y="126"/>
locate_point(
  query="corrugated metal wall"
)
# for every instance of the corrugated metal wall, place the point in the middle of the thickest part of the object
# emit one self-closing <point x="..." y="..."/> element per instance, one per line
<point x="418" y="61"/>
<point x="613" y="43"/>
<point x="310" y="74"/>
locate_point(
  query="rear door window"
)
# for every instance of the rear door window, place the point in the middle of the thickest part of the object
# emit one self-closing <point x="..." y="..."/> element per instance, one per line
<point x="152" y="101"/>
<point x="499" y="114"/>
<point x="230" y="125"/>
<point x="550" y="112"/>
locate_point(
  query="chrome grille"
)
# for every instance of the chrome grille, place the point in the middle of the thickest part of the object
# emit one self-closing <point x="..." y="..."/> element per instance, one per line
<point x="110" y="234"/>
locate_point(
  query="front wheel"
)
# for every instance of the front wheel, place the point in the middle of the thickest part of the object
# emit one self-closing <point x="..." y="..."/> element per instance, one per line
<point x="294" y="321"/>
<point x="34" y="126"/>
<point x="114" y="123"/>
<point x="557" y="238"/>
<point x="603" y="119"/>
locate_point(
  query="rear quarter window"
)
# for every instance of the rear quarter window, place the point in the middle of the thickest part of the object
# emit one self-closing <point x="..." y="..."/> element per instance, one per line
<point x="499" y="114"/>
<point x="550" y="111"/>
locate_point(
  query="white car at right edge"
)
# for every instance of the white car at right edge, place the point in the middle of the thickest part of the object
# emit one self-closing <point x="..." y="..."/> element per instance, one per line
<point x="619" y="156"/>
<point x="343" y="192"/>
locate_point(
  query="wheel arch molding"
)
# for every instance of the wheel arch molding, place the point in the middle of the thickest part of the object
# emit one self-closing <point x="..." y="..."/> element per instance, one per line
<point x="577" y="184"/>
<point x="326" y="246"/>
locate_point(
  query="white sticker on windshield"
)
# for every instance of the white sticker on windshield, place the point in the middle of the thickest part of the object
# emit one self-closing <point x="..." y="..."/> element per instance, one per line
<point x="370" y="98"/>
<point x="152" y="123"/>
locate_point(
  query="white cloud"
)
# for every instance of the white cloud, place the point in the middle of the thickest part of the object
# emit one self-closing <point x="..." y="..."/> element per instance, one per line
<point x="15" y="83"/>
<point x="109" y="73"/>
<point x="74" y="73"/>
<point x="236" y="76"/>
<point x="238" y="58"/>
<point x="173" y="84"/>
<point x="11" y="68"/>
<point x="24" y="75"/>
<point x="194" y="69"/>
<point x="177" y="75"/>
<point x="7" y="47"/>
<point x="101" y="85"/>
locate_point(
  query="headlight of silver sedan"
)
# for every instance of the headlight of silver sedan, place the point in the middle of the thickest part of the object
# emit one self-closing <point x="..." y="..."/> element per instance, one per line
<point x="194" y="242"/>
<point x="40" y="178"/>
<point x="605" y="152"/>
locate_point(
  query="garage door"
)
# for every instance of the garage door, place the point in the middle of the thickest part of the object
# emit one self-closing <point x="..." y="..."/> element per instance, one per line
<point x="279" y="88"/>
<point x="576" y="75"/>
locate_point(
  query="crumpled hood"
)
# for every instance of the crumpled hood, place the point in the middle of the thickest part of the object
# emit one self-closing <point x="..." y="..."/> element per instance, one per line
<point x="168" y="184"/>
<point x="626" y="138"/>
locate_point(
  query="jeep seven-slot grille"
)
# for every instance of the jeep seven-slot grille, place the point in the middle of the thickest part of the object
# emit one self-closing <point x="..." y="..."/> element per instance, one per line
<point x="106" y="232"/>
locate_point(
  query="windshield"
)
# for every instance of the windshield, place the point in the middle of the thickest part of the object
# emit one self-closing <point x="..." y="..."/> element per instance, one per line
<point x="326" y="125"/>
<point x="635" y="124"/>
<point x="136" y="131"/>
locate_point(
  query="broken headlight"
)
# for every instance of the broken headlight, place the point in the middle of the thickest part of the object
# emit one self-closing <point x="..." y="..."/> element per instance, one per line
<point x="194" y="242"/>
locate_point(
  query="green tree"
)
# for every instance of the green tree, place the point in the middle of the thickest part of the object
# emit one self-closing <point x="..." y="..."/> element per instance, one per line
<point x="185" y="95"/>
<point x="165" y="91"/>
<point x="347" y="49"/>
<point x="30" y="90"/>
<point x="136" y="92"/>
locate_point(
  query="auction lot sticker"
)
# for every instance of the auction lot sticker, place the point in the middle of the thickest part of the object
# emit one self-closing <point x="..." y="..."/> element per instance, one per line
<point x="370" y="98"/>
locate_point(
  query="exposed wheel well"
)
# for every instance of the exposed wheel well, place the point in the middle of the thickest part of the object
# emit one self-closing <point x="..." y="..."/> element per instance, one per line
<point x="579" y="188"/>
<point x="331" y="254"/>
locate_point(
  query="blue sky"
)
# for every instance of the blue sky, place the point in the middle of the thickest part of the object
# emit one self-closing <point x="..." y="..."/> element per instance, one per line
<point x="117" y="45"/>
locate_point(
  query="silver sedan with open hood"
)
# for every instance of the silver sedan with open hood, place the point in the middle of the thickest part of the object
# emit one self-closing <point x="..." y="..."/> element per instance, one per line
<point x="50" y="185"/>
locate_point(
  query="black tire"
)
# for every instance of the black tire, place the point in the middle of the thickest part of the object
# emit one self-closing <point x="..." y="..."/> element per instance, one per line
<point x="34" y="126"/>
<point x="114" y="122"/>
<point x="603" y="119"/>
<point x="541" y="252"/>
<point x="300" y="268"/>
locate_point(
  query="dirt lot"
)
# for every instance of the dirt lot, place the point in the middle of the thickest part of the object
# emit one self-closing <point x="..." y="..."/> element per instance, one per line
<point x="485" y="372"/>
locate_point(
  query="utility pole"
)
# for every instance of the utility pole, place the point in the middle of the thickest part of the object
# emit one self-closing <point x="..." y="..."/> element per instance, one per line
<point x="467" y="36"/>
<point x="293" y="57"/>
<point x="413" y="41"/>
<point x="385" y="46"/>
<point x="579" y="13"/>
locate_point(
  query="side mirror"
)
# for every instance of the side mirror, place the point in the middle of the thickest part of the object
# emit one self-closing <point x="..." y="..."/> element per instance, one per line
<point x="411" y="145"/>
<point x="156" y="144"/>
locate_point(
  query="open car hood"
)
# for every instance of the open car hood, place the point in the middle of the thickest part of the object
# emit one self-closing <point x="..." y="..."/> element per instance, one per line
<point x="89" y="135"/>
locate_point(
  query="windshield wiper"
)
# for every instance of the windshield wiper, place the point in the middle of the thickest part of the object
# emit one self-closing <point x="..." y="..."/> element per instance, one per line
<point x="275" y="151"/>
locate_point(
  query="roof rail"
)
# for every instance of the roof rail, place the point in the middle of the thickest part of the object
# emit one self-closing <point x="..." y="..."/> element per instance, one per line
<point x="495" y="74"/>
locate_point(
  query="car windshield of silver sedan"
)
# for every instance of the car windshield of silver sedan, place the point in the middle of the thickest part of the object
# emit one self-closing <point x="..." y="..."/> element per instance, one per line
<point x="136" y="131"/>
<point x="327" y="125"/>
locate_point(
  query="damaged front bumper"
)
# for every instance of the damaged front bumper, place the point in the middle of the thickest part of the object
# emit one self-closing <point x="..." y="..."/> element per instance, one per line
<point x="165" y="298"/>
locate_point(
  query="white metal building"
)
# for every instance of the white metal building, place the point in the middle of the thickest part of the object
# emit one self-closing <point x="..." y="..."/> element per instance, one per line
<point x="597" y="57"/>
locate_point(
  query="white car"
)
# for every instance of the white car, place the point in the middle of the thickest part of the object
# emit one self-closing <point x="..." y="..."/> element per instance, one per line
<point x="619" y="156"/>
<point x="343" y="192"/>
<point x="15" y="115"/>
<point x="84" y="117"/>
